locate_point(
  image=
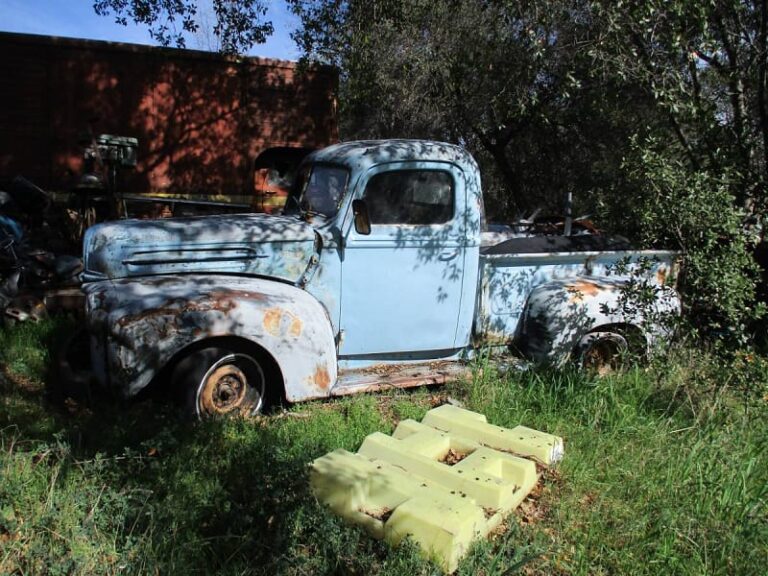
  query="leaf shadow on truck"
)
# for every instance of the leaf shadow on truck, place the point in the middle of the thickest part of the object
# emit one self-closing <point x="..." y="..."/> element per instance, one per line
<point x="376" y="275"/>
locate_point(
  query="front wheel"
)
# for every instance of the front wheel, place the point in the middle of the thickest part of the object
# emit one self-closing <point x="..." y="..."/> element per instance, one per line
<point x="221" y="382"/>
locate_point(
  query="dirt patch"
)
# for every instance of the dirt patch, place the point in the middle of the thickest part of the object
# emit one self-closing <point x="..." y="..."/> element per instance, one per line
<point x="10" y="379"/>
<point x="500" y="530"/>
<point x="381" y="369"/>
<point x="383" y="514"/>
<point x="453" y="457"/>
<point x="536" y="506"/>
<point x="489" y="512"/>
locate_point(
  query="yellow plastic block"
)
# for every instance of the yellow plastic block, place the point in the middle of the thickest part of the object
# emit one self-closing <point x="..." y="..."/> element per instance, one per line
<point x="443" y="482"/>
<point x="545" y="448"/>
<point x="444" y="527"/>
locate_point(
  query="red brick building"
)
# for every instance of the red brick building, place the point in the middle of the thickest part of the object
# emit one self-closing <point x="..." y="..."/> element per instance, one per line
<point x="201" y="119"/>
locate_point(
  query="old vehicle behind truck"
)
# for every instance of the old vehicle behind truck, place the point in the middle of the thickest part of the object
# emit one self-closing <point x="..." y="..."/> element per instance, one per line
<point x="375" y="275"/>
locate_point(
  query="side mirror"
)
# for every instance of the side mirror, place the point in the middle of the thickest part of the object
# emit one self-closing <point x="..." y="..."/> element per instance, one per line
<point x="362" y="220"/>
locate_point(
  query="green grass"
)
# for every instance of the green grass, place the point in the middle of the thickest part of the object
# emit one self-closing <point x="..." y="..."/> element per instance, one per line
<point x="665" y="472"/>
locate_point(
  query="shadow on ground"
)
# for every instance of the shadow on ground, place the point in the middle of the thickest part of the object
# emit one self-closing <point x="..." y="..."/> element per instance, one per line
<point x="156" y="494"/>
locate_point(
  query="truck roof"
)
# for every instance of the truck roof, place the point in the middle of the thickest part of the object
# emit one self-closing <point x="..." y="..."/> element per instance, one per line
<point x="360" y="154"/>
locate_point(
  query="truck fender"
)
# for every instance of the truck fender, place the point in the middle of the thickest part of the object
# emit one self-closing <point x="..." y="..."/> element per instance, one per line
<point x="153" y="321"/>
<point x="558" y="315"/>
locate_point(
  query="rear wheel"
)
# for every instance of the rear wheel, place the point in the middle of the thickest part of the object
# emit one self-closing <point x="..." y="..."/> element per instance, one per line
<point x="221" y="382"/>
<point x="602" y="353"/>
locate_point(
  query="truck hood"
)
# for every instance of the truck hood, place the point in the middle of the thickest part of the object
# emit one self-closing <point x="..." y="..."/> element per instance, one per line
<point x="254" y="244"/>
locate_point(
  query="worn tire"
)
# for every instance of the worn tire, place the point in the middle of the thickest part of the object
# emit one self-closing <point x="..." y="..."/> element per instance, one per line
<point x="221" y="382"/>
<point x="70" y="374"/>
<point x="602" y="353"/>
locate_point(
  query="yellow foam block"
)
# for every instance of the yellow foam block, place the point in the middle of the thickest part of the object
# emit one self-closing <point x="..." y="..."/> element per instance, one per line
<point x="545" y="448"/>
<point x="443" y="482"/>
<point x="443" y="527"/>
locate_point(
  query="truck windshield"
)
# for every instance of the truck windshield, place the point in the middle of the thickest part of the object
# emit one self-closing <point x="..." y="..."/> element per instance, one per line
<point x="318" y="190"/>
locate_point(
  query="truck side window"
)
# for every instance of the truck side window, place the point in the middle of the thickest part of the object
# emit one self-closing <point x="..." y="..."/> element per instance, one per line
<point x="410" y="197"/>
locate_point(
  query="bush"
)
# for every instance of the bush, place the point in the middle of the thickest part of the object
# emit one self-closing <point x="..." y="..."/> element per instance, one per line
<point x="662" y="202"/>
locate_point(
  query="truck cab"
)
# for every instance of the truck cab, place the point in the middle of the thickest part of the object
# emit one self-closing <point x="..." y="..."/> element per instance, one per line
<point x="401" y="238"/>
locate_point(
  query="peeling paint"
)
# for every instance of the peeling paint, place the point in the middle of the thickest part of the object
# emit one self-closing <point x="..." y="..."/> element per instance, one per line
<point x="296" y="326"/>
<point x="281" y="323"/>
<point x="272" y="321"/>
<point x="583" y="288"/>
<point x="237" y="294"/>
<point x="142" y="325"/>
<point x="146" y="315"/>
<point x="177" y="309"/>
<point x="222" y="305"/>
<point x="321" y="378"/>
<point x="254" y="244"/>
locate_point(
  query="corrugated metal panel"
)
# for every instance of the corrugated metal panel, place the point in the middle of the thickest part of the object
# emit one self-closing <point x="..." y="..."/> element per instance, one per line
<point x="444" y="482"/>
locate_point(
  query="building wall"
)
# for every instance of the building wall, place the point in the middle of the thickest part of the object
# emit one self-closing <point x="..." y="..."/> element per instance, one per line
<point x="201" y="118"/>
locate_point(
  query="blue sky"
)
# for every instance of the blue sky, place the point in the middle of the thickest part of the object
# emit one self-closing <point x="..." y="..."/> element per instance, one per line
<point x="76" y="19"/>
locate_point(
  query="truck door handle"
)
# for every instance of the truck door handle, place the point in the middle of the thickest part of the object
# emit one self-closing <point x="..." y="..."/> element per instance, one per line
<point x="448" y="255"/>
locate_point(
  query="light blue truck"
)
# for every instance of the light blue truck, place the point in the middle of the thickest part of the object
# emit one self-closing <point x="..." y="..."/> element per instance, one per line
<point x="380" y="273"/>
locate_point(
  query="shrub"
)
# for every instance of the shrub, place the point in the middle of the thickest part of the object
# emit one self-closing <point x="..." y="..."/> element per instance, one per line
<point x="664" y="203"/>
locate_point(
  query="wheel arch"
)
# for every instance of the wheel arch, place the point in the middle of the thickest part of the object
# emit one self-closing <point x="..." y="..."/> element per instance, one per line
<point x="603" y="347"/>
<point x="558" y="315"/>
<point x="147" y="333"/>
<point x="231" y="342"/>
<point x="637" y="338"/>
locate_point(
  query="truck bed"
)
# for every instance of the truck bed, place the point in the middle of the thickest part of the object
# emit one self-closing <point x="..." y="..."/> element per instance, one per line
<point x="549" y="244"/>
<point x="512" y="269"/>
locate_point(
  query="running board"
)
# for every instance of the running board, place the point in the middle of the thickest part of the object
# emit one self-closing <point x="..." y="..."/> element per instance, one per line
<point x="385" y="376"/>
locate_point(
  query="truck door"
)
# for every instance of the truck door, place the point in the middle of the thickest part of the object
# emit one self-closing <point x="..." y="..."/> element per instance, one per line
<point x="402" y="284"/>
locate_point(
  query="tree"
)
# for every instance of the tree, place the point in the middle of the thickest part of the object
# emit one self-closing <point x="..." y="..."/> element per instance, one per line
<point x="652" y="113"/>
<point x="511" y="81"/>
<point x="702" y="190"/>
<point x="238" y="24"/>
<point x="705" y="63"/>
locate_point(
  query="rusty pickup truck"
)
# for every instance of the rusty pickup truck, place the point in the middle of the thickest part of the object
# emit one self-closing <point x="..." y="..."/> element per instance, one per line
<point x="379" y="273"/>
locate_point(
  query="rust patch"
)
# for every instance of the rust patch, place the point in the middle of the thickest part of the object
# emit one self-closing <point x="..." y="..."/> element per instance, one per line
<point x="224" y="304"/>
<point x="321" y="379"/>
<point x="386" y="383"/>
<point x="583" y="288"/>
<point x="382" y="369"/>
<point x="272" y="321"/>
<point x="146" y="315"/>
<point x="178" y="307"/>
<point x="278" y="321"/>
<point x="242" y="294"/>
<point x="296" y="326"/>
